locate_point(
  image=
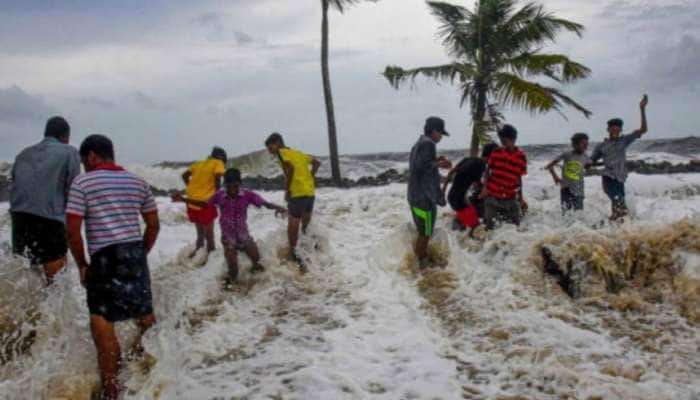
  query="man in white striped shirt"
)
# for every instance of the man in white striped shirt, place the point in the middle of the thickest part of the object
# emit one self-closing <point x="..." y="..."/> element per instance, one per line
<point x="111" y="201"/>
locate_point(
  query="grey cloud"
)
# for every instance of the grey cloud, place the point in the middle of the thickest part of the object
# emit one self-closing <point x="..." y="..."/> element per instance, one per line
<point x="96" y="101"/>
<point x="143" y="100"/>
<point x="676" y="66"/>
<point x="217" y="27"/>
<point x="17" y="105"/>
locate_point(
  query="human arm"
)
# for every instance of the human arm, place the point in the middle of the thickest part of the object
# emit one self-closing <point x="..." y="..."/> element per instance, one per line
<point x="72" y="169"/>
<point x="449" y="178"/>
<point x="177" y="197"/>
<point x="643" y="128"/>
<point x="523" y="203"/>
<point x="550" y="168"/>
<point x="150" y="235"/>
<point x="279" y="210"/>
<point x="315" y="165"/>
<point x="186" y="177"/>
<point x="74" y="225"/>
<point x="289" y="174"/>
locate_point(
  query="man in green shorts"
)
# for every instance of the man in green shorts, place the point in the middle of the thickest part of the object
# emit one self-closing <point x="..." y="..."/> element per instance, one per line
<point x="424" y="194"/>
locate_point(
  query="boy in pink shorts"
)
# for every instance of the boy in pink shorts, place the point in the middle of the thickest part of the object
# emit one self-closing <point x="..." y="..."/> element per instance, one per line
<point x="233" y="203"/>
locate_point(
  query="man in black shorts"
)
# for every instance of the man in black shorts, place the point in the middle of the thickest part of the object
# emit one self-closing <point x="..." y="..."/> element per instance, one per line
<point x="465" y="175"/>
<point x="300" y="173"/>
<point x="110" y="201"/>
<point x="41" y="177"/>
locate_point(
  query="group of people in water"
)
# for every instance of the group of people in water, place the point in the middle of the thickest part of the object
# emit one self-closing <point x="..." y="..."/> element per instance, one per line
<point x="490" y="188"/>
<point x="51" y="202"/>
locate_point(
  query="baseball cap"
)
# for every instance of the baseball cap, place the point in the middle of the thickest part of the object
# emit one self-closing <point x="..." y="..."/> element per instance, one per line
<point x="435" y="123"/>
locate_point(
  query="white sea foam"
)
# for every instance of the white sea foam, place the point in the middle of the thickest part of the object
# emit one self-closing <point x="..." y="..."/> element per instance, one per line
<point x="362" y="323"/>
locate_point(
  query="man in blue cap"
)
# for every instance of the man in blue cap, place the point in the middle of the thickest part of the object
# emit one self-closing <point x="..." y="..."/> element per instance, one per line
<point x="424" y="194"/>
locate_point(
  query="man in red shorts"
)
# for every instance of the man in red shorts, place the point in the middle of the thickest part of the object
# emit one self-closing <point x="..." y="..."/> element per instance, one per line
<point x="203" y="179"/>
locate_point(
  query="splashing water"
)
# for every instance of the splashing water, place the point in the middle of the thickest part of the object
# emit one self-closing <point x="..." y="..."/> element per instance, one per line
<point x="364" y="322"/>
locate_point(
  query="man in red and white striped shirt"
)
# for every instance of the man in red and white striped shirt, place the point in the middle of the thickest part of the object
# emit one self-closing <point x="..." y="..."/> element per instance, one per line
<point x="503" y="189"/>
<point x="111" y="201"/>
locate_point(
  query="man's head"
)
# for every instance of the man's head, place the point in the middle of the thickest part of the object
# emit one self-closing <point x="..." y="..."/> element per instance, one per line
<point x="508" y="135"/>
<point x="232" y="181"/>
<point x="219" y="154"/>
<point x="579" y="142"/>
<point x="615" y="127"/>
<point x="95" y="150"/>
<point x="487" y="150"/>
<point x="57" y="128"/>
<point x="274" y="142"/>
<point x="435" y="129"/>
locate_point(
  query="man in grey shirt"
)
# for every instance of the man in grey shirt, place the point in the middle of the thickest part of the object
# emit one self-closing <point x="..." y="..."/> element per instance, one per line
<point x="613" y="151"/>
<point x="424" y="194"/>
<point x="41" y="178"/>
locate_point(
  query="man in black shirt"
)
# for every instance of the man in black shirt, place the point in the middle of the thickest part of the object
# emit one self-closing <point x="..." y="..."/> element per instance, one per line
<point x="466" y="174"/>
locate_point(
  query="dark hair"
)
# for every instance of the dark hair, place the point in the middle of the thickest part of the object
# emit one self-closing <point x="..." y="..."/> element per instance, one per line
<point x="508" y="132"/>
<point x="219" y="154"/>
<point x="100" y="145"/>
<point x="616" y="122"/>
<point x="488" y="149"/>
<point x="274" y="138"/>
<point x="57" y="127"/>
<point x="578" y="138"/>
<point x="232" y="175"/>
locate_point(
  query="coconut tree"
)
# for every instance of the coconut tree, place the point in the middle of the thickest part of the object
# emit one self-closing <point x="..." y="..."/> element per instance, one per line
<point x="339" y="5"/>
<point x="497" y="61"/>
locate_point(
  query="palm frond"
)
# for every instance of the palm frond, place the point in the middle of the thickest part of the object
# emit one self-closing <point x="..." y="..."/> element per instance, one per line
<point x="455" y="29"/>
<point x="341" y="5"/>
<point x="512" y="90"/>
<point x="555" y="66"/>
<point x="448" y="72"/>
<point x="531" y="26"/>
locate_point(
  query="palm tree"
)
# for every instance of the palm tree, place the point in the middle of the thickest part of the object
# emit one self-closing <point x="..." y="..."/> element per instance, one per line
<point x="497" y="52"/>
<point x="339" y="5"/>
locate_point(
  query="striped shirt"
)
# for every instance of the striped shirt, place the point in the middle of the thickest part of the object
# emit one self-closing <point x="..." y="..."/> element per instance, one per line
<point x="111" y="201"/>
<point x="505" y="172"/>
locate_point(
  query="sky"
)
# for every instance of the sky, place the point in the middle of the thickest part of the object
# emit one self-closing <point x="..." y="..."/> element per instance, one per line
<point x="167" y="80"/>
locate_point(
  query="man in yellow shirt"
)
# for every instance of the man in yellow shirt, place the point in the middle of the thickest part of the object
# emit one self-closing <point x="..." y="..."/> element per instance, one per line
<point x="300" y="170"/>
<point x="203" y="179"/>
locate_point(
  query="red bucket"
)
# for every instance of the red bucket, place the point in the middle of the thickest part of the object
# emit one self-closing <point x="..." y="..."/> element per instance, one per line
<point x="468" y="216"/>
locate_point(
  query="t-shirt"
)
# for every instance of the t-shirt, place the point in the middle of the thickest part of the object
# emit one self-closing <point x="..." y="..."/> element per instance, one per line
<point x="303" y="183"/>
<point x="506" y="171"/>
<point x="234" y="211"/>
<point x="423" y="174"/>
<point x="468" y="171"/>
<point x="203" y="179"/>
<point x="572" y="171"/>
<point x="614" y="155"/>
<point x="111" y="201"/>
<point x="41" y="177"/>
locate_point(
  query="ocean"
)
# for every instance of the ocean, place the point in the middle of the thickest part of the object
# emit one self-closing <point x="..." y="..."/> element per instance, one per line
<point x="364" y="323"/>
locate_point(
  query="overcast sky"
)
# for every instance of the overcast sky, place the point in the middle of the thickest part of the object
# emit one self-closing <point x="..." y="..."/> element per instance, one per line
<point x="168" y="79"/>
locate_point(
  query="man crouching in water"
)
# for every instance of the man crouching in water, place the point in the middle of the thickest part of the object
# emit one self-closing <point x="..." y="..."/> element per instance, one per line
<point x="424" y="194"/>
<point x="110" y="201"/>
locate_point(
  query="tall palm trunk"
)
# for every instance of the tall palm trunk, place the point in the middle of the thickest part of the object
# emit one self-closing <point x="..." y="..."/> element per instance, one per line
<point x="330" y="115"/>
<point x="478" y="122"/>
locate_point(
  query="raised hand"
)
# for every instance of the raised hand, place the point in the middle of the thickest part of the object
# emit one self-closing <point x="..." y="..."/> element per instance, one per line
<point x="644" y="102"/>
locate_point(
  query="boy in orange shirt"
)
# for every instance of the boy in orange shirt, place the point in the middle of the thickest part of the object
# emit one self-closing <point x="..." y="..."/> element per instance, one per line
<point x="203" y="179"/>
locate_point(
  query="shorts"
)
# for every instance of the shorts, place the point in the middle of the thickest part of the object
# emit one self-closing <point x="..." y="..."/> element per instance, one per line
<point x="202" y="216"/>
<point x="236" y="241"/>
<point x="503" y="210"/>
<point x="424" y="218"/>
<point x="298" y="206"/>
<point x="615" y="191"/>
<point x="119" y="283"/>
<point x="40" y="239"/>
<point x="570" y="201"/>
